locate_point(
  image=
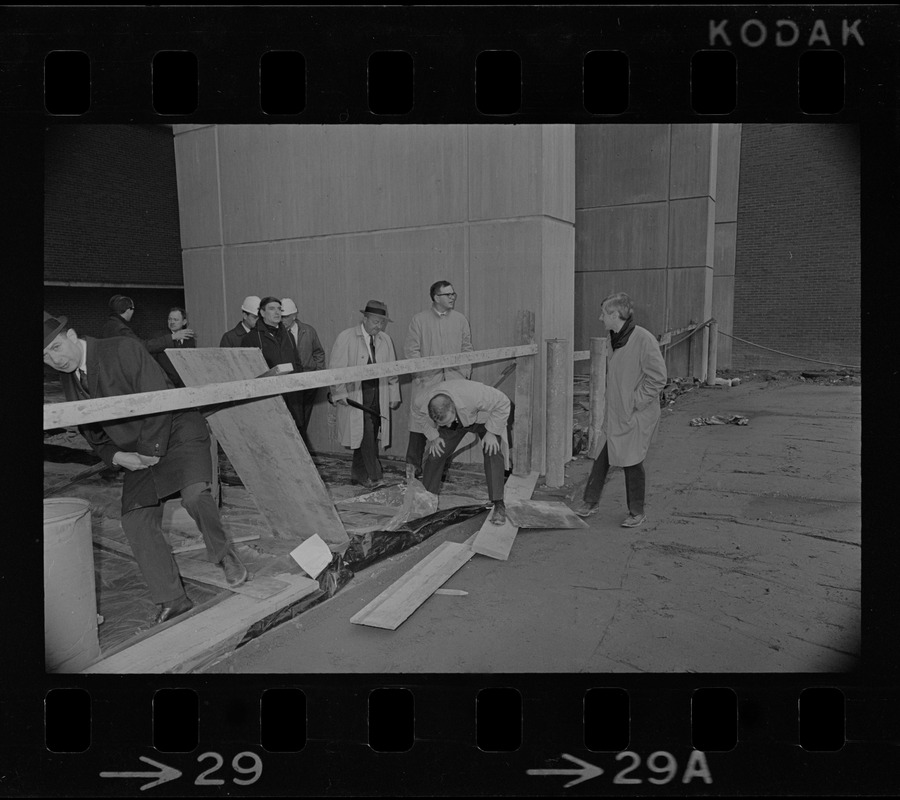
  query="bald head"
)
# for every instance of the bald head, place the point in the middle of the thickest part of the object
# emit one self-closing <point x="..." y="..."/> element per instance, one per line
<point x="441" y="409"/>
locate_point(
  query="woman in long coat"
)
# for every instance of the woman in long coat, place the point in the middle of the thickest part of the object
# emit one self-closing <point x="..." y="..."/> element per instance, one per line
<point x="635" y="375"/>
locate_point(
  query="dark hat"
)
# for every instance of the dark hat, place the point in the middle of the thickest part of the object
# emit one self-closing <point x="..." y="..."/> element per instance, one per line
<point x="376" y="307"/>
<point x="52" y="327"/>
<point x="119" y="303"/>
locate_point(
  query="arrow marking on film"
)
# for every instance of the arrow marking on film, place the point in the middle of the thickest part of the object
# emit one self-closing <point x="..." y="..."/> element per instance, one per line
<point x="164" y="775"/>
<point x="585" y="773"/>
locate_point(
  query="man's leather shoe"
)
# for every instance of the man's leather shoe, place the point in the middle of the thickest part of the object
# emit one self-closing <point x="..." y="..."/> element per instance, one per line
<point x="498" y="517"/>
<point x="235" y="572"/>
<point x="174" y="609"/>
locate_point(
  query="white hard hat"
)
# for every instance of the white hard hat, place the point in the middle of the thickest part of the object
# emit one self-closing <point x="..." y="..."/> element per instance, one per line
<point x="288" y="306"/>
<point x="251" y="304"/>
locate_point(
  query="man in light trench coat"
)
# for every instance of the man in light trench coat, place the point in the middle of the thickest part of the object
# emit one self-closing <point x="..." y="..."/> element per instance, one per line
<point x="635" y="375"/>
<point x="366" y="343"/>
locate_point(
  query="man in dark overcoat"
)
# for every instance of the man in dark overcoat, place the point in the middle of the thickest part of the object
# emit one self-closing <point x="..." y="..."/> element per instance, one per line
<point x="163" y="455"/>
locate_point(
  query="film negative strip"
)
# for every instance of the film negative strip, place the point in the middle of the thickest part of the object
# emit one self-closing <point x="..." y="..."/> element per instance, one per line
<point x="428" y="707"/>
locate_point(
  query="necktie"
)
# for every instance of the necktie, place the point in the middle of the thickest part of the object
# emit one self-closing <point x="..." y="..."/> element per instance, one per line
<point x="372" y="345"/>
<point x="82" y="380"/>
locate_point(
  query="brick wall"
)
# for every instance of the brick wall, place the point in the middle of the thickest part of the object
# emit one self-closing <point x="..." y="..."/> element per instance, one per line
<point x="797" y="268"/>
<point x="111" y="205"/>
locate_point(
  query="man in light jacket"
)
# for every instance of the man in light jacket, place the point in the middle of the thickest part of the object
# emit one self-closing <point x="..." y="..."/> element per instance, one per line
<point x="450" y="410"/>
<point x="439" y="330"/>
<point x="635" y="375"/>
<point x="366" y="343"/>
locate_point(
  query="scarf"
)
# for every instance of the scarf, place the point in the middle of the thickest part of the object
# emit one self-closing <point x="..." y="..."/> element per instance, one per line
<point x="620" y="339"/>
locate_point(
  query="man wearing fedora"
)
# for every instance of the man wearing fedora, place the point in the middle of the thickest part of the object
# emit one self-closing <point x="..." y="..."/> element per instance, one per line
<point x="439" y="330"/>
<point x="163" y="455"/>
<point x="366" y="343"/>
<point x="310" y="354"/>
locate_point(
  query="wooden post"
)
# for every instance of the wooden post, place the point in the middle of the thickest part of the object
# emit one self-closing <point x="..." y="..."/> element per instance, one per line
<point x="597" y="439"/>
<point x="524" y="394"/>
<point x="556" y="447"/>
<point x="712" y="361"/>
<point x="522" y="421"/>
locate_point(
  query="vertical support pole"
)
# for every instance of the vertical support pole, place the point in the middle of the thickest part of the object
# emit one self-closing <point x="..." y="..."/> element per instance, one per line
<point x="556" y="447"/>
<point x="598" y="395"/>
<point x="712" y="361"/>
<point x="522" y="421"/>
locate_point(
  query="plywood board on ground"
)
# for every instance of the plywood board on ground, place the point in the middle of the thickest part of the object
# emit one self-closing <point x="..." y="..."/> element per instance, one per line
<point x="204" y="572"/>
<point x="551" y="515"/>
<point x="204" y="636"/>
<point x="264" y="447"/>
<point x="396" y="603"/>
<point x="495" y="541"/>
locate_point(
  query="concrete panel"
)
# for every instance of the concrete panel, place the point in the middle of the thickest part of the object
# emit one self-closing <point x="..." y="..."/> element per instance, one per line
<point x="692" y="232"/>
<point x="505" y="171"/>
<point x="619" y="164"/>
<point x="728" y="172"/>
<point x="626" y="237"/>
<point x="693" y="168"/>
<point x="286" y="181"/>
<point x="205" y="296"/>
<point x="647" y="288"/>
<point x="558" y="182"/>
<point x="723" y="311"/>
<point x="198" y="188"/>
<point x="505" y="274"/>
<point x="726" y="237"/>
<point x="330" y="278"/>
<point x="689" y="299"/>
<point x="178" y="129"/>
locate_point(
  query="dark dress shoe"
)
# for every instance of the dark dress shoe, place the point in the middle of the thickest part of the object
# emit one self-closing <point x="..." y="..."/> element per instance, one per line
<point x="176" y="608"/>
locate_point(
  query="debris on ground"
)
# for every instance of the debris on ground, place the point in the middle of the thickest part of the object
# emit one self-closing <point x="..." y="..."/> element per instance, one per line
<point x="720" y="419"/>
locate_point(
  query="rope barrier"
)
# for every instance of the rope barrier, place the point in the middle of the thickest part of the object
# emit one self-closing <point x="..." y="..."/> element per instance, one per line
<point x="790" y="355"/>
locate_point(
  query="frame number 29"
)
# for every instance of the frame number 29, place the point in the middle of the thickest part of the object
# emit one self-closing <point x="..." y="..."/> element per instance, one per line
<point x="246" y="764"/>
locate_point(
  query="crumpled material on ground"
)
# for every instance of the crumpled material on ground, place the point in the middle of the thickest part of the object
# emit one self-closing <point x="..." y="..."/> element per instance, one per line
<point x="417" y="502"/>
<point x="720" y="419"/>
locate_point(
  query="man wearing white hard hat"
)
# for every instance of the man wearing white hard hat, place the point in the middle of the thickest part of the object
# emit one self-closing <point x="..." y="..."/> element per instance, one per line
<point x="310" y="354"/>
<point x="250" y="313"/>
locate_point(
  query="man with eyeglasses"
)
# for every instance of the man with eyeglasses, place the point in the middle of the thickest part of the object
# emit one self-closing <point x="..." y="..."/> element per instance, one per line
<point x="439" y="330"/>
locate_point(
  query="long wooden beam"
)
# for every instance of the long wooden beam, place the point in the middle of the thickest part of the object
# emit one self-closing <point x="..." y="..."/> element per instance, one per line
<point x="101" y="409"/>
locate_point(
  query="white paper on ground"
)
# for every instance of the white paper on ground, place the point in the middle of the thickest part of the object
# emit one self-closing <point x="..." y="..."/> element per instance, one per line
<point x="312" y="556"/>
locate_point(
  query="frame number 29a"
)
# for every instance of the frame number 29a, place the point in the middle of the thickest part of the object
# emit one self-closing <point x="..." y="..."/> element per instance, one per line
<point x="246" y="764"/>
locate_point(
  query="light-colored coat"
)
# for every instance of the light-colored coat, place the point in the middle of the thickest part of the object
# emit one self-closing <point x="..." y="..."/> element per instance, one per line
<point x="635" y="374"/>
<point x="430" y="334"/>
<point x="475" y="402"/>
<point x="350" y="350"/>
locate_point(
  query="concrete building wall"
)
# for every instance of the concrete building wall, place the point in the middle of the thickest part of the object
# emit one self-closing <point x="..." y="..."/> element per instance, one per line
<point x="332" y="216"/>
<point x="646" y="224"/>
<point x="797" y="269"/>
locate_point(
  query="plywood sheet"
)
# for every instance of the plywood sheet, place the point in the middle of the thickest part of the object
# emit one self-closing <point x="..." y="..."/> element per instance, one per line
<point x="195" y="640"/>
<point x="397" y="603"/>
<point x="264" y="447"/>
<point x="495" y="541"/>
<point x="543" y="514"/>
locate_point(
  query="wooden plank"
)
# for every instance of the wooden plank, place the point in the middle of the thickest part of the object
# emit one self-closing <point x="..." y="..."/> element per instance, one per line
<point x="182" y="647"/>
<point x="396" y="603"/>
<point x="201" y="545"/>
<point x="204" y="572"/>
<point x="101" y="409"/>
<point x="495" y="541"/>
<point x="265" y="448"/>
<point x="599" y="354"/>
<point x="368" y="508"/>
